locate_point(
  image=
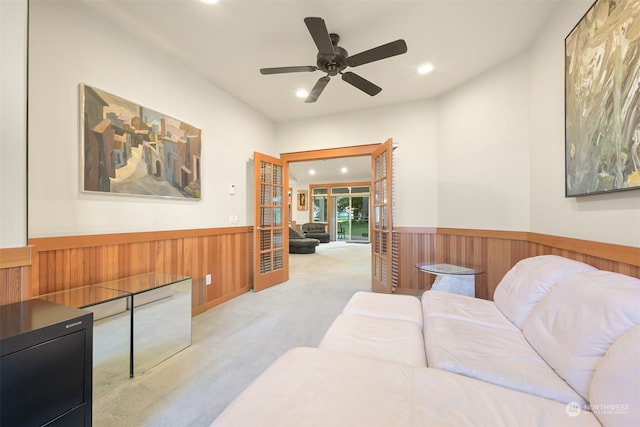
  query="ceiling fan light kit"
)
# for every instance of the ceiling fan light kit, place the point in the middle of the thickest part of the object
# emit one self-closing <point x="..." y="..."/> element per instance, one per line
<point x="333" y="60"/>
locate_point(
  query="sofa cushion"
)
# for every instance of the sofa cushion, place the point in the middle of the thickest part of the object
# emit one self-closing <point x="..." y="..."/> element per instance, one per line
<point x="316" y="230"/>
<point x="386" y="339"/>
<point x="388" y="306"/>
<point x="615" y="387"/>
<point x="575" y="323"/>
<point x="528" y="281"/>
<point x="313" y="227"/>
<point x="312" y="387"/>
<point x="463" y="307"/>
<point x="445" y="399"/>
<point x="303" y="246"/>
<point x="496" y="355"/>
<point x="293" y="234"/>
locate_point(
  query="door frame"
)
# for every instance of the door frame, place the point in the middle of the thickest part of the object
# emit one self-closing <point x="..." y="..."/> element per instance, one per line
<point x="332" y="153"/>
<point x="327" y="153"/>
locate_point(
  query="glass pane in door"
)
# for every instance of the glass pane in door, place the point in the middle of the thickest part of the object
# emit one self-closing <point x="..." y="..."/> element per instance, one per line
<point x="359" y="226"/>
<point x="343" y="217"/>
<point x="269" y="252"/>
<point x="320" y="213"/>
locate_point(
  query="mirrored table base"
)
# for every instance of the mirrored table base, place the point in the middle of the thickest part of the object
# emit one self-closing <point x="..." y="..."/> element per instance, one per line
<point x="139" y="322"/>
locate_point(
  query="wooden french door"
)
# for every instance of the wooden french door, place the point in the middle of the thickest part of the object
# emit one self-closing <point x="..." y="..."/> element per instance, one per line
<point x="270" y="237"/>
<point x="381" y="226"/>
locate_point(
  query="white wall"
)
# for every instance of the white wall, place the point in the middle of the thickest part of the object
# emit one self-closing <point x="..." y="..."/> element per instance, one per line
<point x="613" y="218"/>
<point x="13" y="123"/>
<point x="488" y="154"/>
<point x="69" y="44"/>
<point x="413" y="125"/>
<point x="483" y="157"/>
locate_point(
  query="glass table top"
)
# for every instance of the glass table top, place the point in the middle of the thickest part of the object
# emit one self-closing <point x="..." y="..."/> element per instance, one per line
<point x="442" y="268"/>
<point x="87" y="296"/>
<point x="143" y="282"/>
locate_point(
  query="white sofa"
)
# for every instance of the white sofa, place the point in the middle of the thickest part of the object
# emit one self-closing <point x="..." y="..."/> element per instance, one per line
<point x="559" y="346"/>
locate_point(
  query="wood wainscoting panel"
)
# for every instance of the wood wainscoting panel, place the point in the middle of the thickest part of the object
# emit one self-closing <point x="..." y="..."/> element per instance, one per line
<point x="412" y="245"/>
<point x="616" y="258"/>
<point x="15" y="266"/>
<point x="494" y="252"/>
<point x="68" y="262"/>
<point x="59" y="263"/>
<point x="468" y="251"/>
<point x="502" y="254"/>
<point x="11" y="284"/>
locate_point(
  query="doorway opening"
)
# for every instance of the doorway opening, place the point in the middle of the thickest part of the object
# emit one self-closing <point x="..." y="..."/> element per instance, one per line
<point x="344" y="208"/>
<point x="345" y="215"/>
<point x="317" y="174"/>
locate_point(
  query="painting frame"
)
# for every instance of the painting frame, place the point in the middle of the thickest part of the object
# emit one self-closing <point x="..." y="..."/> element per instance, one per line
<point x="303" y="197"/>
<point x="130" y="149"/>
<point x="602" y="108"/>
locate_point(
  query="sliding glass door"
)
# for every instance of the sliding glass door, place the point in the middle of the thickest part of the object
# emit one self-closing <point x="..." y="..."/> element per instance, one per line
<point x="350" y="213"/>
<point x="359" y="226"/>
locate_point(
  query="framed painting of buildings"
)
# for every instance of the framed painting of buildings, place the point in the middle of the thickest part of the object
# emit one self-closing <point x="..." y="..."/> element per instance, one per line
<point x="131" y="149"/>
<point x="602" y="100"/>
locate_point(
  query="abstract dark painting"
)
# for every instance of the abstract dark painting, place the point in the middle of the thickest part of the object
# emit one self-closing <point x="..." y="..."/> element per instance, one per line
<point x="131" y="149"/>
<point x="602" y="100"/>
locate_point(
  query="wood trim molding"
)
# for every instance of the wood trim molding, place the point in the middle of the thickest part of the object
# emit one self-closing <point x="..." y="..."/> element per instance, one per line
<point x="489" y="234"/>
<point x="416" y="230"/>
<point x="610" y="251"/>
<point x="87" y="241"/>
<point x="330" y="153"/>
<point x="15" y="257"/>
<point x="620" y="253"/>
<point x="339" y="184"/>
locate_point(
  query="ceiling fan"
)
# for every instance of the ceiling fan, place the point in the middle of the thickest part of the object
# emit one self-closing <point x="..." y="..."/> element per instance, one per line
<point x="333" y="59"/>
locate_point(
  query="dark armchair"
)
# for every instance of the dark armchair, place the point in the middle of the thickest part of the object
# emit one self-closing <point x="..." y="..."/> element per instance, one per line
<point x="316" y="230"/>
<point x="298" y="244"/>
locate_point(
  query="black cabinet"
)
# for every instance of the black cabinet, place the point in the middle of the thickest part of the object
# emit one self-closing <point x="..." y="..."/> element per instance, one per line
<point x="46" y="356"/>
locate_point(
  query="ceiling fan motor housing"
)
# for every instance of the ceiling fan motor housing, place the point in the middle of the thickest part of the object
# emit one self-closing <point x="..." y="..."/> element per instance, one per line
<point x="332" y="65"/>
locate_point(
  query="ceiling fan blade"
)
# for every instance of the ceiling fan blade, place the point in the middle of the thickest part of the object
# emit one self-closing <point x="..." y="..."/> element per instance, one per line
<point x="320" y="35"/>
<point x="397" y="47"/>
<point x="361" y="83"/>
<point x="317" y="89"/>
<point x="280" y="70"/>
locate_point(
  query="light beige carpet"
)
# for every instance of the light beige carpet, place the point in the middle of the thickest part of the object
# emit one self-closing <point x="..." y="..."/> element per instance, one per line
<point x="234" y="342"/>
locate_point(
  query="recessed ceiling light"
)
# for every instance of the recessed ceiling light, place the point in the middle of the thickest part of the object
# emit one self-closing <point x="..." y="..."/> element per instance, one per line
<point x="301" y="93"/>
<point x="425" y="68"/>
<point x="312" y="172"/>
<point x="343" y="170"/>
<point x="209" y="1"/>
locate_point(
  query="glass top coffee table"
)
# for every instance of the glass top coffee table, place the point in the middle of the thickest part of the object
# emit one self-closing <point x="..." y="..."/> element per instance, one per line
<point x="139" y="321"/>
<point x="451" y="278"/>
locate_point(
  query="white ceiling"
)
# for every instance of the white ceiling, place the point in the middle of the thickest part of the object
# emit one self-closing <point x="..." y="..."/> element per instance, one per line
<point x="230" y="41"/>
<point x="329" y="170"/>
